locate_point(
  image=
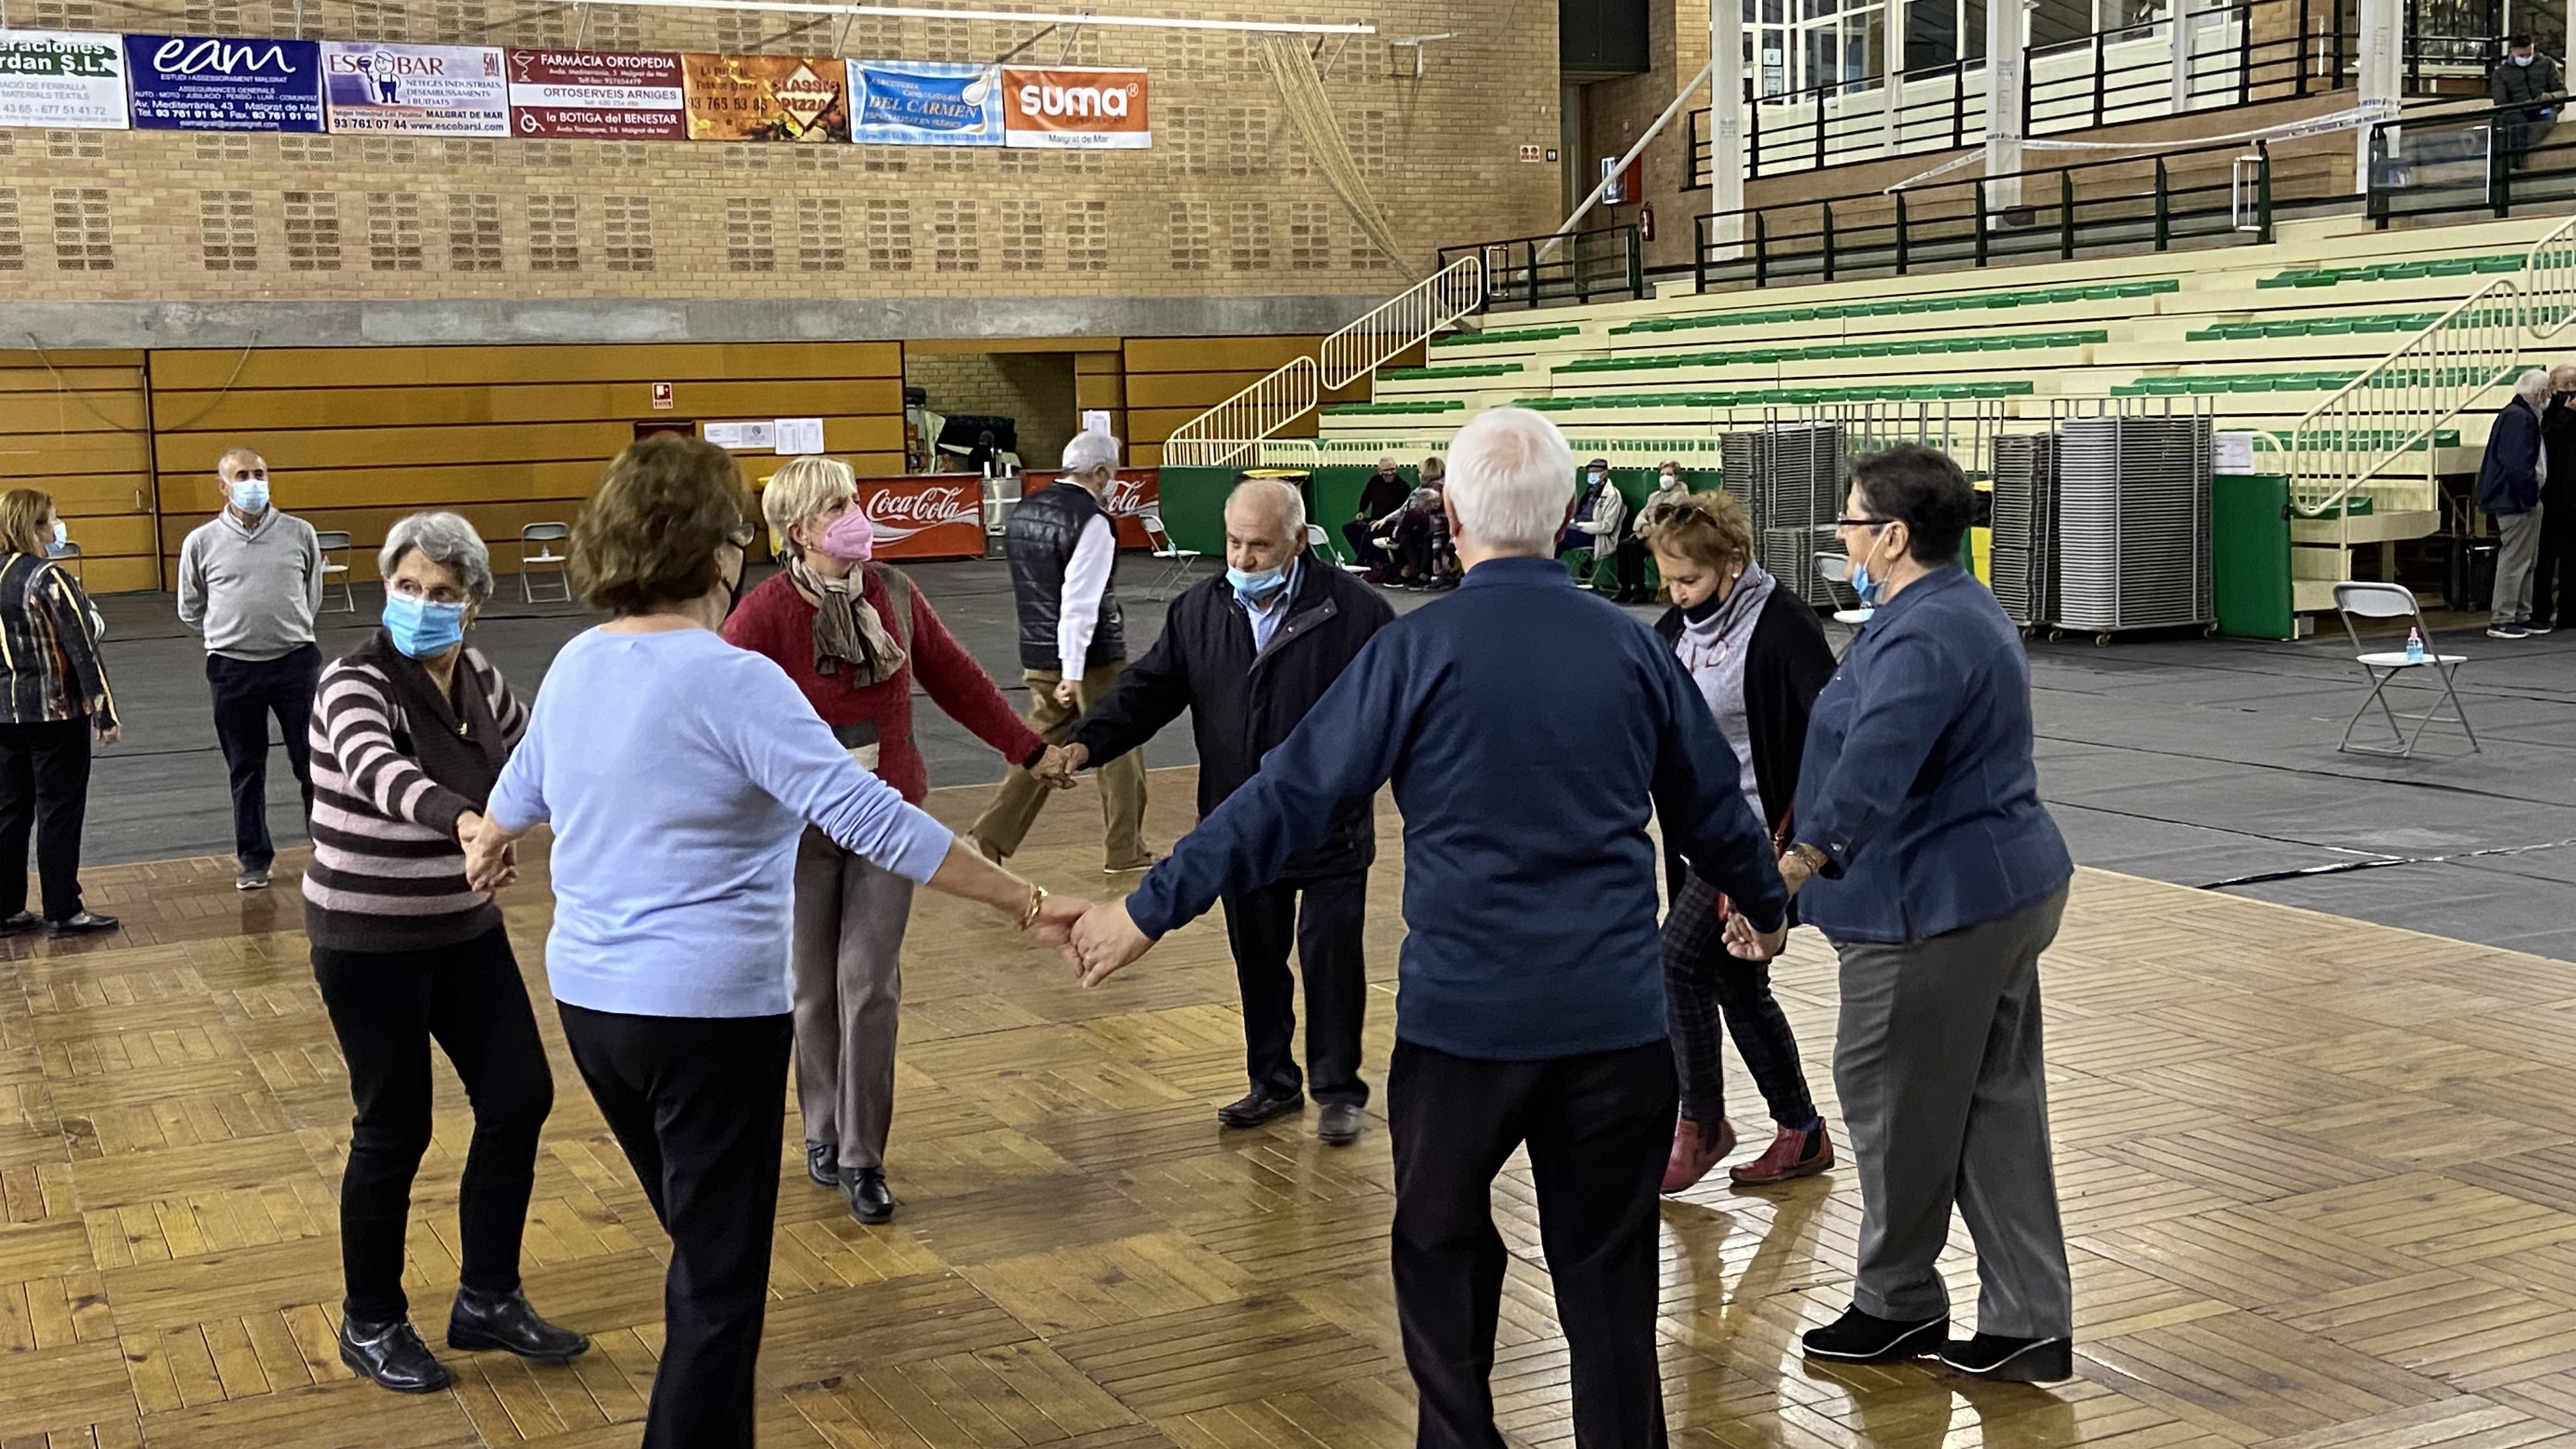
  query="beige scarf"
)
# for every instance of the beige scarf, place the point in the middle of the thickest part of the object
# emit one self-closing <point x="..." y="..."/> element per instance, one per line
<point x="846" y="627"/>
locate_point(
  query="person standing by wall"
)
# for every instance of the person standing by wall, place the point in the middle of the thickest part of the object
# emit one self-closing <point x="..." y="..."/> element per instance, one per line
<point x="2553" y="572"/>
<point x="2510" y="475"/>
<point x="250" y="581"/>
<point x="1247" y="654"/>
<point x="1063" y="549"/>
<point x="58" y="703"/>
<point x="856" y="636"/>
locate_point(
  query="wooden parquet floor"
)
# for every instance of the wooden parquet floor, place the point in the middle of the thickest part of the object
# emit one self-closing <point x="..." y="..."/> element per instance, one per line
<point x="2319" y="1179"/>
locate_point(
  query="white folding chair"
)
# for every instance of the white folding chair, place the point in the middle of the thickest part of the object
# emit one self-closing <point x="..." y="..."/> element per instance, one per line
<point x="2385" y="666"/>
<point x="545" y="536"/>
<point x="1834" y="568"/>
<point x="1319" y="542"/>
<point x="1164" y="549"/>
<point x="335" y="569"/>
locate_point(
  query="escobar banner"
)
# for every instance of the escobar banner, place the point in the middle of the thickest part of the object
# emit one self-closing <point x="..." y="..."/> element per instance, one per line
<point x="61" y="79"/>
<point x="415" y="90"/>
<point x="601" y="95"/>
<point x="1075" y="110"/>
<point x="202" y="83"/>
<point x="926" y="103"/>
<point x="766" y="98"/>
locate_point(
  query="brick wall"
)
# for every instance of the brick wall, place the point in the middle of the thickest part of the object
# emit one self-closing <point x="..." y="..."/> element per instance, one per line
<point x="1035" y="389"/>
<point x="1223" y="204"/>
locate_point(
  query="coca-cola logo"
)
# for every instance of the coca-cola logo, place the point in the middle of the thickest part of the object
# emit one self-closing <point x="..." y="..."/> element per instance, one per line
<point x="1126" y="497"/>
<point x="896" y="516"/>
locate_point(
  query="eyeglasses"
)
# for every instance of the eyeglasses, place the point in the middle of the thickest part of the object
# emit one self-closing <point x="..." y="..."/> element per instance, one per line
<point x="1863" y="522"/>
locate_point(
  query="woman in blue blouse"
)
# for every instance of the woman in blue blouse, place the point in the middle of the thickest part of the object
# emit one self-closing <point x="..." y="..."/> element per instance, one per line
<point x="678" y="772"/>
<point x="1927" y="859"/>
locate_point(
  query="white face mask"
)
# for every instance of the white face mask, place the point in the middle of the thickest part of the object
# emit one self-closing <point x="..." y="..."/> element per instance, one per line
<point x="2522" y="60"/>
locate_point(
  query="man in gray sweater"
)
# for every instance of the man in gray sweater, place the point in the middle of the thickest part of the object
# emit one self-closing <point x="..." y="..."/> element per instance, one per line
<point x="250" y="580"/>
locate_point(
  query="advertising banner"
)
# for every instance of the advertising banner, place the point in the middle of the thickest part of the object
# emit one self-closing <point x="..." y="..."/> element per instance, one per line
<point x="61" y="79"/>
<point x="1136" y="491"/>
<point x="1075" y="109"/>
<point x="206" y="83"/>
<point x="927" y="103"/>
<point x="598" y="95"/>
<point x="766" y="98"/>
<point x="415" y="90"/>
<point x="938" y="516"/>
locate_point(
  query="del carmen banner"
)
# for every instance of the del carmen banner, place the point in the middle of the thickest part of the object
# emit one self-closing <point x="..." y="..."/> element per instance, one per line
<point x="1075" y="109"/>
<point x="1137" y="491"/>
<point x="766" y="98"/>
<point x="597" y="95"/>
<point x="415" y="90"/>
<point x="901" y="103"/>
<point x="211" y="83"/>
<point x="940" y="515"/>
<point x="63" y="80"/>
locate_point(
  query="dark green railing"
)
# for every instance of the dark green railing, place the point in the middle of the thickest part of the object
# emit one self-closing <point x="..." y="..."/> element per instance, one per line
<point x="1542" y="271"/>
<point x="2491" y="159"/>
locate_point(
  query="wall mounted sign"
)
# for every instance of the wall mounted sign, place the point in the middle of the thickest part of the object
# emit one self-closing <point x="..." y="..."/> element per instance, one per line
<point x="766" y="98"/>
<point x="896" y="103"/>
<point x="1075" y="109"/>
<point x="214" y="83"/>
<point x="598" y="95"/>
<point x="415" y="90"/>
<point x="62" y="79"/>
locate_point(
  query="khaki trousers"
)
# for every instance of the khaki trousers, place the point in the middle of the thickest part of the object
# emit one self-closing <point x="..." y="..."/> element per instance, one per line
<point x="1005" y="822"/>
<point x="846" y="963"/>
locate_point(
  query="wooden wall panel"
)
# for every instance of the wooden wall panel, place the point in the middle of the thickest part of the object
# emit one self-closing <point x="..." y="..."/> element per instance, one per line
<point x="79" y="429"/>
<point x="359" y="437"/>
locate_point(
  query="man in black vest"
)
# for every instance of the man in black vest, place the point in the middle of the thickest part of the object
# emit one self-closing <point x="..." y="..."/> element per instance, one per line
<point x="1073" y="643"/>
<point x="1247" y="654"/>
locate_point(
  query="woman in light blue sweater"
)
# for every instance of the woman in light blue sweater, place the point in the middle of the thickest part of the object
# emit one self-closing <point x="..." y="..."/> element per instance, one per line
<point x="678" y="772"/>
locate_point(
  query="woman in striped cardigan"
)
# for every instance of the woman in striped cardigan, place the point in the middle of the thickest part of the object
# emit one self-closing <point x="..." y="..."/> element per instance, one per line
<point x="409" y="734"/>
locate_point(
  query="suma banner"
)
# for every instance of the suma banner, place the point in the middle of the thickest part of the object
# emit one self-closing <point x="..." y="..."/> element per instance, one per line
<point x="1135" y="493"/>
<point x="415" y="90"/>
<point x="208" y="83"/>
<point x="925" y="104"/>
<point x="598" y="95"/>
<point x="1075" y="109"/>
<point x="62" y="80"/>
<point x="938" y="516"/>
<point x="766" y="98"/>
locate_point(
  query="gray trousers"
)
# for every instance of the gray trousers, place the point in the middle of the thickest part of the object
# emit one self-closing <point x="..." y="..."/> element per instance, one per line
<point x="848" y="991"/>
<point x="1945" y="1096"/>
<point x="2517" y="553"/>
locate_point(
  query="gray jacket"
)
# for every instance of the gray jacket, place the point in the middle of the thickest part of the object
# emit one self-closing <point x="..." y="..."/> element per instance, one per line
<point x="251" y="591"/>
<point x="2533" y="84"/>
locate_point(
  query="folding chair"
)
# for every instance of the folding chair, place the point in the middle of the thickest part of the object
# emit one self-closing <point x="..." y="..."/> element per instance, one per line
<point x="2394" y="601"/>
<point x="1834" y="568"/>
<point x="68" y="554"/>
<point x="1169" y="552"/>
<point x="1319" y="542"/>
<point x="335" y="568"/>
<point x="545" y="536"/>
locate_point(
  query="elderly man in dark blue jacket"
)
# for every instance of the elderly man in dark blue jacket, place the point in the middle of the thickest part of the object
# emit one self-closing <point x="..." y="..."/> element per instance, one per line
<point x="1531" y="1000"/>
<point x="2510" y="475"/>
<point x="1248" y="653"/>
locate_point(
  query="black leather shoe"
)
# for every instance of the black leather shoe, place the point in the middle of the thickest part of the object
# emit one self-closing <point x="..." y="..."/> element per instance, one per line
<point x="19" y="924"/>
<point x="870" y="1200"/>
<point x="392" y="1355"/>
<point x="1340" y="1125"/>
<point x="506" y="1322"/>
<point x="2013" y="1360"/>
<point x="87" y="923"/>
<point x="1858" y="1337"/>
<point x="1257" y="1107"/>
<point x="823" y="1164"/>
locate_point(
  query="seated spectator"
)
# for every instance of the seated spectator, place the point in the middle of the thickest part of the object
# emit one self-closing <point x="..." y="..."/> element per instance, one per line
<point x="1380" y="497"/>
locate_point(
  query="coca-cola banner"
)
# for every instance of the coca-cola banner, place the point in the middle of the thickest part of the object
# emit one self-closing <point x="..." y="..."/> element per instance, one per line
<point x="1137" y="491"/>
<point x="938" y="516"/>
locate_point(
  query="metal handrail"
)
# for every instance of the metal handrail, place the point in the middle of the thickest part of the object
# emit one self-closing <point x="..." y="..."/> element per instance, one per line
<point x="2549" y="282"/>
<point x="1233" y="428"/>
<point x="1567" y="275"/>
<point x="2401" y="401"/>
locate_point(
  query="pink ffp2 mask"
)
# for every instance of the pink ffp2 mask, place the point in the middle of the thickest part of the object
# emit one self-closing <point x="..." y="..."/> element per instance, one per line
<point x="851" y="538"/>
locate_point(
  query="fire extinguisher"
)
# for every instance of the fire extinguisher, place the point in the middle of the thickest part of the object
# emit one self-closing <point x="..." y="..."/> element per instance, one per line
<point x="1645" y="223"/>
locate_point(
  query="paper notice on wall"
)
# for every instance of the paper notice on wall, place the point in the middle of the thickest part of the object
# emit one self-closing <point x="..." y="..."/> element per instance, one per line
<point x="742" y="437"/>
<point x="798" y="437"/>
<point x="2231" y="453"/>
<point x="1095" y="420"/>
<point x="62" y="80"/>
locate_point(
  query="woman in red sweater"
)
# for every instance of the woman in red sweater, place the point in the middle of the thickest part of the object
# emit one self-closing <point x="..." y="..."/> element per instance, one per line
<point x="854" y="635"/>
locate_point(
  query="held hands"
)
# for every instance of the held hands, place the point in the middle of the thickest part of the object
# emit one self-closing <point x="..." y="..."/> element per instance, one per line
<point x="1103" y="941"/>
<point x="1056" y="918"/>
<point x="1055" y="768"/>
<point x="491" y="857"/>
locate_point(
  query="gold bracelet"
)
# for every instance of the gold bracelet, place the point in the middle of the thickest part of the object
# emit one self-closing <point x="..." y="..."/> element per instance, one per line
<point x="1037" y="898"/>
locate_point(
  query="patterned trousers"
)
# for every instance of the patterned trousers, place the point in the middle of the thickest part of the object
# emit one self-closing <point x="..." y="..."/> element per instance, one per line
<point x="1711" y="995"/>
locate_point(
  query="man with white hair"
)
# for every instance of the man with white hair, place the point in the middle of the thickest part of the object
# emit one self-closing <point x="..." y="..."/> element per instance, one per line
<point x="250" y="581"/>
<point x="2510" y="475"/>
<point x="1531" y="1002"/>
<point x="1062" y="548"/>
<point x="1248" y="653"/>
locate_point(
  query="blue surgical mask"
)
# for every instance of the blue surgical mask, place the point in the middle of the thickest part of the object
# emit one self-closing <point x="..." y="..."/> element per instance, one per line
<point x="421" y="629"/>
<point x="62" y="538"/>
<point x="2522" y="60"/>
<point x="250" y="495"/>
<point x="1864" y="583"/>
<point x="1257" y="586"/>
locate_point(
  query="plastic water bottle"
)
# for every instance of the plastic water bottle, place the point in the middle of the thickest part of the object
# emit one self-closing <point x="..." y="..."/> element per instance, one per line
<point x="2414" y="646"/>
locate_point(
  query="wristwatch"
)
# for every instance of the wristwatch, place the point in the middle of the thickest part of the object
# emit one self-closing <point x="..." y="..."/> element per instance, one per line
<point x="1816" y="859"/>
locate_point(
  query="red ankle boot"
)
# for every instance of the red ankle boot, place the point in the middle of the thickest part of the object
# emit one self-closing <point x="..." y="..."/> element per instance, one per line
<point x="1795" y="1152"/>
<point x="1696" y="1149"/>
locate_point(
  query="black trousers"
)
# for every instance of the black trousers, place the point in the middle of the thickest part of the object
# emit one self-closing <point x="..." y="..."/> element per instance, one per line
<point x="44" y="782"/>
<point x="1364" y="549"/>
<point x="247" y="693"/>
<point x="2553" y="575"/>
<point x="1599" y="1128"/>
<point x="387" y="1007"/>
<point x="1326" y="927"/>
<point x="699" y="1104"/>
<point x="1630" y="561"/>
